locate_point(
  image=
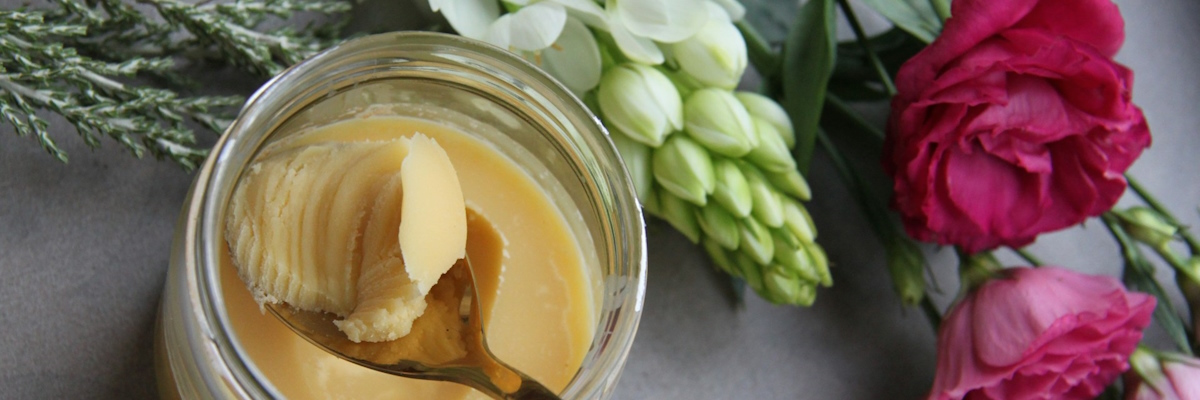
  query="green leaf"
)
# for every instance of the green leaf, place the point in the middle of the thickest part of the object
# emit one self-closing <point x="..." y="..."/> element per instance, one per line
<point x="855" y="79"/>
<point x="894" y="48"/>
<point x="1141" y="278"/>
<point x="808" y="59"/>
<point x="770" y="17"/>
<point x="917" y="17"/>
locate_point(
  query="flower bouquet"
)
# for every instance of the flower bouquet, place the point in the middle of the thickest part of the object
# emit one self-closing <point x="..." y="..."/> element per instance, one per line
<point x="1006" y="120"/>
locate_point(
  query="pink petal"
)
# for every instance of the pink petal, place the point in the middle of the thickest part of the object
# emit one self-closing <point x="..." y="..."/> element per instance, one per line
<point x="1031" y="302"/>
<point x="1185" y="378"/>
<point x="1095" y="22"/>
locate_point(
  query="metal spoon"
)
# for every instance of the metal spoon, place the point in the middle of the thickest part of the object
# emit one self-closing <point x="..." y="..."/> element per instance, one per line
<point x="473" y="365"/>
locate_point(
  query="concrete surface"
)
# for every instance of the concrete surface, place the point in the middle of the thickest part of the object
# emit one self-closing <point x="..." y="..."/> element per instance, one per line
<point x="83" y="250"/>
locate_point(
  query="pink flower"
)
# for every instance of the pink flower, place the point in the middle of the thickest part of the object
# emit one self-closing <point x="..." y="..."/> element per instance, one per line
<point x="1014" y="122"/>
<point x="1174" y="377"/>
<point x="1045" y="333"/>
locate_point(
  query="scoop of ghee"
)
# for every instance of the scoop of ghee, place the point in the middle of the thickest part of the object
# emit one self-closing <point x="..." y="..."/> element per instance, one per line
<point x="362" y="230"/>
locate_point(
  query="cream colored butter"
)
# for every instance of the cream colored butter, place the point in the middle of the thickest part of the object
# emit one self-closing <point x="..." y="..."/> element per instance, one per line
<point x="328" y="227"/>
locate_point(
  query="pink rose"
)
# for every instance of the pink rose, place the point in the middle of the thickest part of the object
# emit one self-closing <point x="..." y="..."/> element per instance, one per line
<point x="1044" y="333"/>
<point x="1014" y="122"/>
<point x="1174" y="377"/>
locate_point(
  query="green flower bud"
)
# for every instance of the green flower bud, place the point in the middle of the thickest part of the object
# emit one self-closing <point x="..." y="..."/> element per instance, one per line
<point x="1188" y="280"/>
<point x="718" y="121"/>
<point x="715" y="56"/>
<point x="1146" y="365"/>
<point x="906" y="264"/>
<point x="797" y="220"/>
<point x="790" y="182"/>
<point x="751" y="271"/>
<point x="640" y="102"/>
<point x="732" y="191"/>
<point x="650" y="205"/>
<point x="719" y="225"/>
<point x="796" y="259"/>
<point x="756" y="241"/>
<point x="637" y="161"/>
<point x="820" y="261"/>
<point x="772" y="153"/>
<point x="1147" y="226"/>
<point x="720" y="256"/>
<point x="768" y="203"/>
<point x="783" y="235"/>
<point x="680" y="214"/>
<point x="784" y="288"/>
<point x="763" y="107"/>
<point x="685" y="169"/>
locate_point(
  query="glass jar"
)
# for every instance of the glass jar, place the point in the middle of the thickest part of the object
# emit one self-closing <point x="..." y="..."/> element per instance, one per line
<point x="502" y="100"/>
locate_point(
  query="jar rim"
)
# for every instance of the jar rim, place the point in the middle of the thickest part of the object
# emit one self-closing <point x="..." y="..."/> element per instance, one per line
<point x="599" y="158"/>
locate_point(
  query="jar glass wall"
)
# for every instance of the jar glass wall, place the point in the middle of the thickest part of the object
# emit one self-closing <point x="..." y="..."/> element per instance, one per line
<point x="482" y="91"/>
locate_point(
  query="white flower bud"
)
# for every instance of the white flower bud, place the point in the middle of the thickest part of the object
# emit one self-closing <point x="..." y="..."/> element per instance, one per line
<point x="790" y="182"/>
<point x="637" y="161"/>
<point x="763" y="107"/>
<point x="756" y="241"/>
<point x="750" y="270"/>
<point x="821" y="261"/>
<point x="716" y="55"/>
<point x="684" y="169"/>
<point x="640" y="102"/>
<point x="720" y="256"/>
<point x="768" y="203"/>
<point x="797" y="220"/>
<point x="732" y="190"/>
<point x="717" y="120"/>
<point x="719" y="224"/>
<point x="784" y="288"/>
<point x="680" y="214"/>
<point x="772" y="153"/>
<point x="796" y="260"/>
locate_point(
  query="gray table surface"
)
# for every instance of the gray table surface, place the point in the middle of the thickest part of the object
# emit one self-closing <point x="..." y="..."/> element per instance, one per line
<point x="83" y="252"/>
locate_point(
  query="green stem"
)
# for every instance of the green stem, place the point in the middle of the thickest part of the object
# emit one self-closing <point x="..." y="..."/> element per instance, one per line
<point x="871" y="205"/>
<point x="884" y="227"/>
<point x="865" y="43"/>
<point x="840" y="106"/>
<point x="931" y="312"/>
<point x="765" y="60"/>
<point x="1028" y="257"/>
<point x="976" y="269"/>
<point x="1193" y="244"/>
<point x="1142" y="272"/>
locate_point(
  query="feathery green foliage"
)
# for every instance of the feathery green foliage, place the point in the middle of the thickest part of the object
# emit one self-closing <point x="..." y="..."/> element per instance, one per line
<point x="111" y="68"/>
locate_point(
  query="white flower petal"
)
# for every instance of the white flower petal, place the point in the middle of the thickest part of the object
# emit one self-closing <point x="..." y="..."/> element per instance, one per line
<point x="714" y="56"/>
<point x="470" y="18"/>
<point x="500" y="33"/>
<point x="634" y="47"/>
<point x="666" y="21"/>
<point x="733" y="9"/>
<point x="587" y="11"/>
<point x="534" y="27"/>
<point x="574" y="59"/>
<point x="717" y="13"/>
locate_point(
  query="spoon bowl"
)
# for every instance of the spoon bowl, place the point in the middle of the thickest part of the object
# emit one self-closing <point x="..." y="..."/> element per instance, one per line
<point x="447" y="343"/>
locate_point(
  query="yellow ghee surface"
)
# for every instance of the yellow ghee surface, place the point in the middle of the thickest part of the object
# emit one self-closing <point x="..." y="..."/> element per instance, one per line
<point x="541" y="313"/>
